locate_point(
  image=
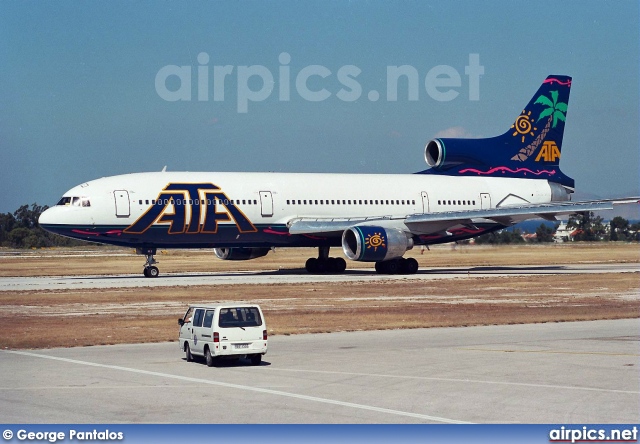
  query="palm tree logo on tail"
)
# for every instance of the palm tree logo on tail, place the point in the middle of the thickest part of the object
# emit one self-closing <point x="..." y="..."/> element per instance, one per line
<point x="554" y="111"/>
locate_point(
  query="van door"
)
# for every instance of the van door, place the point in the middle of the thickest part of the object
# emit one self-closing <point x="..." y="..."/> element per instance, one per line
<point x="207" y="330"/>
<point x="239" y="326"/>
<point x="185" y="328"/>
<point x="196" y="344"/>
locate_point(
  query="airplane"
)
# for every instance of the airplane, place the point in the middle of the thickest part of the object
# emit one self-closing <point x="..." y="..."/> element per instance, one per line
<point x="473" y="187"/>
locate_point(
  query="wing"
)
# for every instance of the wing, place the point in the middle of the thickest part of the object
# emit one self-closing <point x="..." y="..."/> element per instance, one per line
<point x="428" y="223"/>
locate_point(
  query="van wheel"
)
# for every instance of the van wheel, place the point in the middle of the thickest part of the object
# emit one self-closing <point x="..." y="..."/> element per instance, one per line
<point x="256" y="359"/>
<point x="187" y="352"/>
<point x="208" y="357"/>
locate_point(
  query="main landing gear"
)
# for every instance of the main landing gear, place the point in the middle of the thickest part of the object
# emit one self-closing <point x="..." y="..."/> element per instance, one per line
<point x="325" y="264"/>
<point x="150" y="270"/>
<point x="397" y="266"/>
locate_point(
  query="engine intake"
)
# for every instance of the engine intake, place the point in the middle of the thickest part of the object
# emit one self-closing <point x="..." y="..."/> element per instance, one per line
<point x="240" y="254"/>
<point x="443" y="154"/>
<point x="373" y="244"/>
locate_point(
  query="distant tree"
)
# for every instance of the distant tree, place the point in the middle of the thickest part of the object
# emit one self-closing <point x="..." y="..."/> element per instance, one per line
<point x="7" y="222"/>
<point x="28" y="217"/>
<point x="544" y="233"/>
<point x="501" y="237"/>
<point x="589" y="226"/>
<point x="619" y="230"/>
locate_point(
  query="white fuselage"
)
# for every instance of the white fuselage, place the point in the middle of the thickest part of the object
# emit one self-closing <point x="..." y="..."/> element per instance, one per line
<point x="278" y="198"/>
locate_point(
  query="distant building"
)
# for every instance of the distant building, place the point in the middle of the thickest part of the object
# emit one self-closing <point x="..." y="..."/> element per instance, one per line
<point x="563" y="234"/>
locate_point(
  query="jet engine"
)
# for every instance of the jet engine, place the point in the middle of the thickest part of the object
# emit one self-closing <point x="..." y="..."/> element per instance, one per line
<point x="374" y="244"/>
<point x="240" y="254"/>
<point x="443" y="154"/>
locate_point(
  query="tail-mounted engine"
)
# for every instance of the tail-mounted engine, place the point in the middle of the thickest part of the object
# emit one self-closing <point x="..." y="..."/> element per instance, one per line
<point x="240" y="254"/>
<point x="443" y="154"/>
<point x="373" y="244"/>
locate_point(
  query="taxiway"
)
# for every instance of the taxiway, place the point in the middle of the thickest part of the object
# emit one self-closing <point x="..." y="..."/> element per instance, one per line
<point x="580" y="372"/>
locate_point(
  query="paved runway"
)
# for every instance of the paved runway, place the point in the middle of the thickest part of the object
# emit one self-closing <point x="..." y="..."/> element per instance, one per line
<point x="290" y="277"/>
<point x="581" y="372"/>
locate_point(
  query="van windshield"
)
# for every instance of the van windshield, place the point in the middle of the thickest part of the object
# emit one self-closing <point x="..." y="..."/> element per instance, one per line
<point x="239" y="317"/>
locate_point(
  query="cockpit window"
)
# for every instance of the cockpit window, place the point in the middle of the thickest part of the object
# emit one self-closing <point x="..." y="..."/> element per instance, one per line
<point x="74" y="201"/>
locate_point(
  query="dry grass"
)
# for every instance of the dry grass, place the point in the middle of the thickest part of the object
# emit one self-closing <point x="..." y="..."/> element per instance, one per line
<point x="110" y="316"/>
<point x="72" y="262"/>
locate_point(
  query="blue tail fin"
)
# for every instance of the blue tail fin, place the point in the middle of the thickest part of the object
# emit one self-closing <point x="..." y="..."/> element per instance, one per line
<point x="531" y="148"/>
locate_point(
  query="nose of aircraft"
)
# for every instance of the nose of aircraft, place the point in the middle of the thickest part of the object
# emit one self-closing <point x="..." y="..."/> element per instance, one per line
<point x="47" y="217"/>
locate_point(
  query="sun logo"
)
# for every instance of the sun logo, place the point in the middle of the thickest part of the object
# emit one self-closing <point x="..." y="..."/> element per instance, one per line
<point x="524" y="125"/>
<point x="375" y="241"/>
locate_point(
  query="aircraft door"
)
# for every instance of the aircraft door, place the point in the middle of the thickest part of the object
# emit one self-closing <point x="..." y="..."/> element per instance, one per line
<point x="485" y="201"/>
<point x="425" y="202"/>
<point x="266" y="203"/>
<point x="122" y="203"/>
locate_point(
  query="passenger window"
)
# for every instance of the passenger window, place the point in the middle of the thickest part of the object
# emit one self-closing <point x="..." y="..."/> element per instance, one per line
<point x="208" y="319"/>
<point x="197" y="319"/>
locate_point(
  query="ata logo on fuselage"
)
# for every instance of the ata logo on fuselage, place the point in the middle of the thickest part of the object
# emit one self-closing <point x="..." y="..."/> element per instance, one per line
<point x="549" y="152"/>
<point x="200" y="202"/>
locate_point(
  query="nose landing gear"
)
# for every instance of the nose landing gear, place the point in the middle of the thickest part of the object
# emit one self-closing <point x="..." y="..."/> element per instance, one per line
<point x="150" y="270"/>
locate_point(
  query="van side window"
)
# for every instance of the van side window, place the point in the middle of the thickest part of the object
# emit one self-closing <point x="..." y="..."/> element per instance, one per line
<point x="208" y="319"/>
<point x="197" y="318"/>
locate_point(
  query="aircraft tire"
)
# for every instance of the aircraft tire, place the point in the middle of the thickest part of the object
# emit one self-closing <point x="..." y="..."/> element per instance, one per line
<point x="410" y="266"/>
<point x="311" y="265"/>
<point x="393" y="266"/>
<point x="153" y="272"/>
<point x="340" y="265"/>
<point x="145" y="272"/>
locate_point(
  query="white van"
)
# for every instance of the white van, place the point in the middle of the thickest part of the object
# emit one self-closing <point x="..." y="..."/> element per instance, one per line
<point x="230" y="330"/>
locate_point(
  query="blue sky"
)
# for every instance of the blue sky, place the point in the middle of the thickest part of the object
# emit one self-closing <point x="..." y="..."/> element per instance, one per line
<point x="78" y="98"/>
